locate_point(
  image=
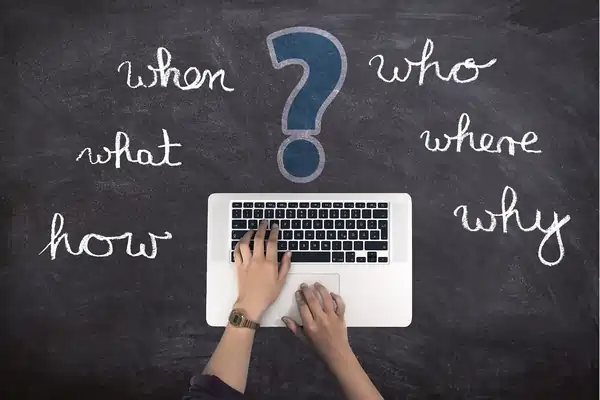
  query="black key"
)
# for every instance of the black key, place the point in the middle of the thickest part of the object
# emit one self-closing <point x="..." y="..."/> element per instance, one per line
<point x="345" y="213"/>
<point x="280" y="213"/>
<point x="349" y="205"/>
<point x="382" y="259"/>
<point x="247" y="214"/>
<point x="326" y="205"/>
<point x="290" y="214"/>
<point x="355" y="214"/>
<point x="293" y="245"/>
<point x="359" y="205"/>
<point x="337" y="205"/>
<point x="380" y="214"/>
<point x="253" y="224"/>
<point x="366" y="214"/>
<point x="318" y="224"/>
<point x="323" y="214"/>
<point x="350" y="256"/>
<point x="287" y="235"/>
<point x="296" y="224"/>
<point x="303" y="205"/>
<point x="372" y="224"/>
<point x="309" y="235"/>
<point x="238" y="224"/>
<point x="281" y="205"/>
<point x="331" y="235"/>
<point x="347" y="245"/>
<point x="271" y="205"/>
<point x="306" y="224"/>
<point x="315" y="205"/>
<point x="285" y="224"/>
<point x="273" y="222"/>
<point x="301" y="213"/>
<point x="313" y="214"/>
<point x="361" y="259"/>
<point x="329" y="224"/>
<point x="258" y="214"/>
<point x="259" y="205"/>
<point x="382" y="223"/>
<point x="364" y="235"/>
<point x="382" y="205"/>
<point x="314" y="245"/>
<point x="339" y="224"/>
<point x="358" y="245"/>
<point x="334" y="214"/>
<point x="337" y="256"/>
<point x="320" y="234"/>
<point x="372" y="245"/>
<point x="374" y="235"/>
<point x="352" y="235"/>
<point x="342" y="235"/>
<point x="303" y="245"/>
<point x="292" y="205"/>
<point x="361" y="224"/>
<point x="233" y="244"/>
<point x="232" y="257"/>
<point x="236" y="213"/>
<point x="237" y="234"/>
<point x="267" y="235"/>
<point x="384" y="234"/>
<point x="247" y="205"/>
<point x="350" y="224"/>
<point x="298" y="235"/>
<point x="281" y="245"/>
<point x="326" y="245"/>
<point x="269" y="213"/>
<point x="371" y="205"/>
<point x="371" y="256"/>
<point x="311" y="256"/>
<point x="236" y="205"/>
<point x="337" y="245"/>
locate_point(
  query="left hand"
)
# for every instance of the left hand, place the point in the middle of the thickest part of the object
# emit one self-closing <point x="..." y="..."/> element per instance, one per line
<point x="260" y="279"/>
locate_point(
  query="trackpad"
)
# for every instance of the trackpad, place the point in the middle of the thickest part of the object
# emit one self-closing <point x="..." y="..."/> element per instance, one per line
<point x="286" y="304"/>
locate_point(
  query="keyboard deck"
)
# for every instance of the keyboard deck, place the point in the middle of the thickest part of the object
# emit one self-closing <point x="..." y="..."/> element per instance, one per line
<point x="319" y="231"/>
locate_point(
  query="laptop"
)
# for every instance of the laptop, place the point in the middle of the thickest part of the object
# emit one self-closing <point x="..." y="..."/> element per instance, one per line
<point x="356" y="245"/>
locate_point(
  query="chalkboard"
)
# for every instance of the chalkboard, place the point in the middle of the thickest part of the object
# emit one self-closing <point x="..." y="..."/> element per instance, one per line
<point x="490" y="319"/>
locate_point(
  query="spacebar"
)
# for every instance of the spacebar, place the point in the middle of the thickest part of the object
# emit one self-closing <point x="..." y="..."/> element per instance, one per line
<point x="311" y="256"/>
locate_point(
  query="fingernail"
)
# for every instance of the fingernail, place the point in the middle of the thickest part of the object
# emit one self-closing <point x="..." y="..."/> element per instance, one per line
<point x="298" y="295"/>
<point x="289" y="253"/>
<point x="264" y="221"/>
<point x="318" y="284"/>
<point x="275" y="226"/>
<point x="285" y="321"/>
<point x="304" y="285"/>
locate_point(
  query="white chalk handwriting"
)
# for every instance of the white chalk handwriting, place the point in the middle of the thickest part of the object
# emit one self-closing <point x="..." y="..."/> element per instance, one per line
<point x="143" y="157"/>
<point x="510" y="211"/>
<point x="469" y="65"/>
<point x="56" y="237"/>
<point x="192" y="77"/>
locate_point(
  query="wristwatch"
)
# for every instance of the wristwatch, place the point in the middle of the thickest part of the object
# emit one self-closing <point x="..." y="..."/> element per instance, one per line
<point x="239" y="320"/>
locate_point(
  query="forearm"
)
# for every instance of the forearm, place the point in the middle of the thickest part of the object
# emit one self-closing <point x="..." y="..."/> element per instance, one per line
<point x="231" y="359"/>
<point x="354" y="381"/>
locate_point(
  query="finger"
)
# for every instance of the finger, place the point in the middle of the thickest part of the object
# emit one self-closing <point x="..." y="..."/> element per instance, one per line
<point x="259" y="240"/>
<point x="326" y="296"/>
<point x="272" y="244"/>
<point x="244" y="246"/>
<point x="305" y="313"/>
<point x="237" y="255"/>
<point x="295" y="328"/>
<point x="286" y="263"/>
<point x="311" y="299"/>
<point x="341" y="306"/>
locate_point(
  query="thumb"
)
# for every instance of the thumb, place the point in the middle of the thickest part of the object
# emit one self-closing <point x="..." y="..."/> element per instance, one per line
<point x="295" y="328"/>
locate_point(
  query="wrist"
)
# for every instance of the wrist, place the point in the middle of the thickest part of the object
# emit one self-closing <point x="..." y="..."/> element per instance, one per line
<point x="251" y="312"/>
<point x="340" y="357"/>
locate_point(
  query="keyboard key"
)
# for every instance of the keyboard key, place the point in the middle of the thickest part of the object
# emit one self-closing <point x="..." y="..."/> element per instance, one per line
<point x="309" y="235"/>
<point x="337" y="245"/>
<point x="285" y="224"/>
<point x="384" y="234"/>
<point x="292" y="205"/>
<point x="342" y="235"/>
<point x="258" y="214"/>
<point x="374" y="235"/>
<point x="345" y="213"/>
<point x="382" y="205"/>
<point x="366" y="214"/>
<point x="331" y="235"/>
<point x="233" y="244"/>
<point x="301" y="213"/>
<point x="237" y="234"/>
<point x="349" y="205"/>
<point x="296" y="224"/>
<point x="269" y="213"/>
<point x="339" y="224"/>
<point x="361" y="224"/>
<point x="371" y="205"/>
<point x="311" y="256"/>
<point x="271" y="205"/>
<point x="337" y="205"/>
<point x="281" y="245"/>
<point x="329" y="224"/>
<point x="293" y="245"/>
<point x="287" y="235"/>
<point x="298" y="235"/>
<point x="361" y="259"/>
<point x="314" y="245"/>
<point x="347" y="245"/>
<point x="352" y="235"/>
<point x="290" y="214"/>
<point x="350" y="256"/>
<point x="236" y="205"/>
<point x="239" y="224"/>
<point x="253" y="224"/>
<point x="334" y="214"/>
<point x="232" y="257"/>
<point x="337" y="256"/>
<point x="315" y="205"/>
<point x="326" y="245"/>
<point x="355" y="214"/>
<point x="318" y="224"/>
<point x="358" y="246"/>
<point x="247" y="205"/>
<point x="281" y="205"/>
<point x="304" y="205"/>
<point x="306" y="224"/>
<point x="323" y="214"/>
<point x="247" y="214"/>
<point x="382" y="223"/>
<point x="273" y="222"/>
<point x="372" y="256"/>
<point x="279" y="213"/>
<point x="326" y="205"/>
<point x="382" y="259"/>
<point x="363" y="235"/>
<point x="236" y="213"/>
<point x="313" y="214"/>
<point x="359" y="205"/>
<point x="259" y="205"/>
<point x="380" y="214"/>
<point x="350" y="224"/>
<point x="376" y="245"/>
<point x="320" y="234"/>
<point x="372" y="224"/>
<point x="303" y="245"/>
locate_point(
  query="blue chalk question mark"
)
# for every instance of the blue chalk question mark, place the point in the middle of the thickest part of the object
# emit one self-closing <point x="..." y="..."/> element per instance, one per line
<point x="301" y="157"/>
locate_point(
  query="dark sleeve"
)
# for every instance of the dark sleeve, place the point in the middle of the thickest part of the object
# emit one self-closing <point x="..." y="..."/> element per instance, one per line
<point x="207" y="387"/>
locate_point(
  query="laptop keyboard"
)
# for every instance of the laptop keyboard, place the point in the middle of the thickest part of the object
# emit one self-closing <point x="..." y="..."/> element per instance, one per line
<point x="320" y="232"/>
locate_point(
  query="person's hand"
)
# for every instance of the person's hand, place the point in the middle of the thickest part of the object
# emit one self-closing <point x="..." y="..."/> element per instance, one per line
<point x="323" y="325"/>
<point x="260" y="279"/>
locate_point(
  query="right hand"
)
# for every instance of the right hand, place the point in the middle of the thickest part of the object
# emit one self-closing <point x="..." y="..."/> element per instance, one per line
<point x="323" y="325"/>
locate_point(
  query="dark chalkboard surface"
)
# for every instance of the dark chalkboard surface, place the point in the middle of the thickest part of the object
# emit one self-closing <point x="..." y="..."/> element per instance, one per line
<point x="490" y="320"/>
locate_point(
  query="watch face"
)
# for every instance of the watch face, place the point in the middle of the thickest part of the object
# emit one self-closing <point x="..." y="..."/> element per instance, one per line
<point x="235" y="318"/>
